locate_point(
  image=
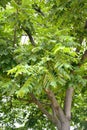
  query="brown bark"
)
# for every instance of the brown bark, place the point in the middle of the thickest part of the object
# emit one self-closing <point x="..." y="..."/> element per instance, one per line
<point x="68" y="101"/>
<point x="84" y="56"/>
<point x="41" y="107"/>
<point x="66" y="125"/>
<point x="57" y="108"/>
<point x="29" y="35"/>
<point x="60" y="118"/>
<point x="64" y="119"/>
<point x="85" y="27"/>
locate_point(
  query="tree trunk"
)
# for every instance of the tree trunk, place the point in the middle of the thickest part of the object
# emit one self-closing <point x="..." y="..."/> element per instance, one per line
<point x="64" y="126"/>
<point x="59" y="117"/>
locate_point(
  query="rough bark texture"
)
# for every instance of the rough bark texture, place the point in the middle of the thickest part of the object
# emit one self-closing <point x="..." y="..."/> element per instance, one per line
<point x="61" y="119"/>
<point x="68" y="101"/>
<point x="65" y="126"/>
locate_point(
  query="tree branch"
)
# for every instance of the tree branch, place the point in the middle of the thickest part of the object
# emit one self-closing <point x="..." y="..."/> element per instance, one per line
<point x="84" y="57"/>
<point x="57" y="108"/>
<point x="68" y="101"/>
<point x="41" y="107"/>
<point x="38" y="9"/>
<point x="58" y="123"/>
<point x="85" y="27"/>
<point x="29" y="35"/>
<point x="25" y="100"/>
<point x="37" y="102"/>
<point x="14" y="36"/>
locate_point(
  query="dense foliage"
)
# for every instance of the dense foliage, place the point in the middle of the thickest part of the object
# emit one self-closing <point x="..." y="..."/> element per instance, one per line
<point x="54" y="58"/>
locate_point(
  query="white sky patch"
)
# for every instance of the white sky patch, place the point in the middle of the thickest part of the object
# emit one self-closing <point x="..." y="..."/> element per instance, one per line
<point x="84" y="42"/>
<point x="24" y="39"/>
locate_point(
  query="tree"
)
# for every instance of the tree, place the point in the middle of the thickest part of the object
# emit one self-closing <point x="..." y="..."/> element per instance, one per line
<point x="51" y="68"/>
